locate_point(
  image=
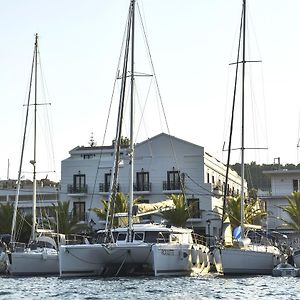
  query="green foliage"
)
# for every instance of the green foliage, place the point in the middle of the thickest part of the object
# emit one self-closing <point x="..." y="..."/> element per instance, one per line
<point x="179" y="215"/>
<point x="254" y="173"/>
<point x="23" y="223"/>
<point x="64" y="222"/>
<point x="125" y="141"/>
<point x="252" y="211"/>
<point x="121" y="206"/>
<point x="6" y="214"/>
<point x="293" y="210"/>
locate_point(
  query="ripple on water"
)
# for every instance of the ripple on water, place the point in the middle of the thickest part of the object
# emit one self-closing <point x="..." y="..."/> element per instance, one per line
<point x="202" y="287"/>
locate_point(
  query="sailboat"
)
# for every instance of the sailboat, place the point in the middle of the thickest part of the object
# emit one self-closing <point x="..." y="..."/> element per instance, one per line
<point x="40" y="255"/>
<point x="245" y="257"/>
<point x="152" y="249"/>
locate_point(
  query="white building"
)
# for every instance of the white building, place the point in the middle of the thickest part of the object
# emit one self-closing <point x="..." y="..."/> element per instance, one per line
<point x="283" y="183"/>
<point x="160" y="164"/>
<point x="47" y="194"/>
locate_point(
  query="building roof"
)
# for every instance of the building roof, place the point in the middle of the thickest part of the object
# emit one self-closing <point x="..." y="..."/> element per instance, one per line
<point x="281" y="172"/>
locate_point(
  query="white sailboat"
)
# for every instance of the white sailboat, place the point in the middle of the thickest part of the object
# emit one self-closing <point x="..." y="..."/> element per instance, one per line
<point x="245" y="257"/>
<point x="40" y="255"/>
<point x="138" y="248"/>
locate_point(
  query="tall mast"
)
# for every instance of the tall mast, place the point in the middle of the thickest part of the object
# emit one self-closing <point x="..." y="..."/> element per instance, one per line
<point x="114" y="181"/>
<point x="13" y="227"/>
<point x="33" y="162"/>
<point x="131" y="149"/>
<point x="243" y="120"/>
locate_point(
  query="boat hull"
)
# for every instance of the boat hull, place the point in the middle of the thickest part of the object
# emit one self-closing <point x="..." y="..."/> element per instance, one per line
<point x="296" y="257"/>
<point x="44" y="262"/>
<point x="174" y="259"/>
<point x="80" y="260"/>
<point x="234" y="261"/>
<point x="3" y="262"/>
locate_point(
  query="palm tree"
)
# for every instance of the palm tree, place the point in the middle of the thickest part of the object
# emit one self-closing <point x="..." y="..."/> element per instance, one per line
<point x="252" y="212"/>
<point x="63" y="221"/>
<point x="293" y="211"/>
<point x="121" y="206"/>
<point x="179" y="215"/>
<point x="6" y="214"/>
<point x="23" y="222"/>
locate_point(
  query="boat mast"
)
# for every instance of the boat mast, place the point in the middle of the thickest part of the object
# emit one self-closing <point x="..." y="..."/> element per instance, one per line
<point x="243" y="120"/>
<point x="13" y="227"/>
<point x="117" y="145"/>
<point x="131" y="146"/>
<point x="237" y="63"/>
<point x="33" y="162"/>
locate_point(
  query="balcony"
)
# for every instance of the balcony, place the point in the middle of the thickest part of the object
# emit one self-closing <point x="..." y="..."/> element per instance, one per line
<point x="104" y="188"/>
<point x="172" y="187"/>
<point x="76" y="191"/>
<point x="144" y="188"/>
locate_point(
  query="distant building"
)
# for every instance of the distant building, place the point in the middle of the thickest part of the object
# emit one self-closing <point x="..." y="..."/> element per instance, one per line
<point x="47" y="194"/>
<point x="161" y="163"/>
<point x="283" y="183"/>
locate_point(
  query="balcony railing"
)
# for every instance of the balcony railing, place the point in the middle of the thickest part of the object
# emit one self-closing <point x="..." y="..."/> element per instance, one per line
<point x="172" y="185"/>
<point x="104" y="188"/>
<point x="145" y="187"/>
<point x="73" y="189"/>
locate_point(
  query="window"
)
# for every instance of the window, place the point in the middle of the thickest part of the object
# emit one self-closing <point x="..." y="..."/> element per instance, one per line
<point x="207" y="177"/>
<point x="138" y="236"/>
<point x="195" y="208"/>
<point x="173" y="180"/>
<point x="295" y="185"/>
<point x="79" y="183"/>
<point x="107" y="179"/>
<point x="122" y="236"/>
<point x="142" y="181"/>
<point x="79" y="210"/>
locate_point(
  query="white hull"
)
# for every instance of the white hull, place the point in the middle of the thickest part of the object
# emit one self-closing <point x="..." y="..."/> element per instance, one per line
<point x="174" y="259"/>
<point x="234" y="261"/>
<point x="296" y="257"/>
<point x="80" y="260"/>
<point x="3" y="262"/>
<point x="100" y="259"/>
<point x="127" y="258"/>
<point x="34" y="262"/>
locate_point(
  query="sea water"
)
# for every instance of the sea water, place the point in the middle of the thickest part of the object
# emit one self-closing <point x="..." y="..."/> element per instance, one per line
<point x="208" y="286"/>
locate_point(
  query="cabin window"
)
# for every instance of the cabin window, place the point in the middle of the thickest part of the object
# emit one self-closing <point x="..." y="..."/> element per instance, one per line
<point x="79" y="185"/>
<point x="79" y="210"/>
<point x="122" y="236"/>
<point x="195" y="207"/>
<point x="142" y="181"/>
<point x="139" y="236"/>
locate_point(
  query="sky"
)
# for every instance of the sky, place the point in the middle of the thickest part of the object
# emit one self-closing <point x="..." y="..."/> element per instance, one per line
<point x="192" y="43"/>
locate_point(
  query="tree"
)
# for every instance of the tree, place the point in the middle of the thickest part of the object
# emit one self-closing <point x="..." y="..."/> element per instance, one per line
<point x="121" y="206"/>
<point x="63" y="221"/>
<point x="252" y="211"/>
<point x="293" y="210"/>
<point x="23" y="222"/>
<point x="6" y="214"/>
<point x="179" y="215"/>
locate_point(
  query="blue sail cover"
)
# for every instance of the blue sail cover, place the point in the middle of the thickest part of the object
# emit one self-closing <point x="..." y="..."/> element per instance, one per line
<point x="237" y="232"/>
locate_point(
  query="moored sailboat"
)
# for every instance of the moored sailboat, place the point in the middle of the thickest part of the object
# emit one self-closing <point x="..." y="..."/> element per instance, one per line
<point x="245" y="256"/>
<point x="40" y="255"/>
<point x="152" y="249"/>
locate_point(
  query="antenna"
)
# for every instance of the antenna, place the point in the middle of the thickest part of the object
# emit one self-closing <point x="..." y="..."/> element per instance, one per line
<point x="92" y="142"/>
